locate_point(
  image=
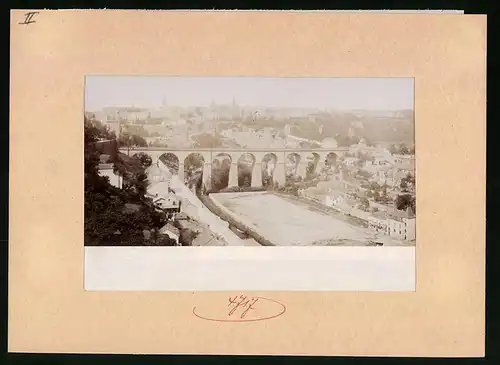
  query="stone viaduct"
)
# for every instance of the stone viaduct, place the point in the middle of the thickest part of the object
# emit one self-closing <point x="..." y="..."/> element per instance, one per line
<point x="280" y="157"/>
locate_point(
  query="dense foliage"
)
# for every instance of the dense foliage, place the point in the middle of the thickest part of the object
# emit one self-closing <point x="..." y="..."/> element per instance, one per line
<point x="220" y="174"/>
<point x="116" y="216"/>
<point x="404" y="201"/>
<point x="131" y="140"/>
<point x="208" y="140"/>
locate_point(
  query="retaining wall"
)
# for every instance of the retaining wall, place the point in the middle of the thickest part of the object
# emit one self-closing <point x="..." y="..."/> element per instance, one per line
<point x="233" y="219"/>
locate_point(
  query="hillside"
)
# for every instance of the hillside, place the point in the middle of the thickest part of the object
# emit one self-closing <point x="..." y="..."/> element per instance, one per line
<point x="391" y="130"/>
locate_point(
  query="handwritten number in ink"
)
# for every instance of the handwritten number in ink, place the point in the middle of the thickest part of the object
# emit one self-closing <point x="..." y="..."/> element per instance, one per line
<point x="243" y="303"/>
<point x="243" y="307"/>
<point x="29" y="17"/>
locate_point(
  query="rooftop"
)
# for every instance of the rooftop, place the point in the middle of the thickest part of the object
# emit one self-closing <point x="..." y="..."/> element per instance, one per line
<point x="380" y="215"/>
<point x="105" y="166"/>
<point x="405" y="166"/>
<point x="169" y="228"/>
<point x="350" y="201"/>
<point x="399" y="214"/>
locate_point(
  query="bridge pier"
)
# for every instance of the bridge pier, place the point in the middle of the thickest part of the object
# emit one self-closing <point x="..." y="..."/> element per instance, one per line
<point x="181" y="171"/>
<point x="301" y="169"/>
<point x="279" y="173"/>
<point x="233" y="175"/>
<point x="207" y="175"/>
<point x="257" y="175"/>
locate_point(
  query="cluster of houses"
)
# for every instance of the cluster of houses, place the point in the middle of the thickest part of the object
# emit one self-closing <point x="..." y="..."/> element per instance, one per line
<point x="381" y="217"/>
<point x="385" y="168"/>
<point x="344" y="191"/>
<point x="164" y="198"/>
<point x="395" y="223"/>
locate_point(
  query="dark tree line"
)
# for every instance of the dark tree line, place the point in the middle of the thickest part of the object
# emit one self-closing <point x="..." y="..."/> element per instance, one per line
<point x="404" y="201"/>
<point x="401" y="149"/>
<point x="131" y="140"/>
<point x="116" y="216"/>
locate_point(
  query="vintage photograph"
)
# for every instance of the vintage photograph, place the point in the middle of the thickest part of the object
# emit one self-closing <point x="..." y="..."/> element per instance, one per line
<point x="249" y="161"/>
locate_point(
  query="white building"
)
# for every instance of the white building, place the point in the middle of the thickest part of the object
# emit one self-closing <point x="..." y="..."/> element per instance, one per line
<point x="113" y="126"/>
<point x="106" y="169"/>
<point x="404" y="159"/>
<point x="334" y="198"/>
<point x="350" y="161"/>
<point x="401" y="224"/>
<point x="168" y="202"/>
<point x="156" y="174"/>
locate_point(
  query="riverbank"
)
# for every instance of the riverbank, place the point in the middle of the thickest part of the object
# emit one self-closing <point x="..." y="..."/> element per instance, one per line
<point x="274" y="219"/>
<point x="222" y="212"/>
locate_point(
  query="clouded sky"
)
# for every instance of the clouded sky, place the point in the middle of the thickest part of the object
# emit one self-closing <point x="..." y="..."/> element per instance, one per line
<point x="335" y="93"/>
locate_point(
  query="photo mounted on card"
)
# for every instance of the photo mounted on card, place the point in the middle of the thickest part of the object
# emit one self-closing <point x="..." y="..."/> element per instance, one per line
<point x="230" y="182"/>
<point x="279" y="176"/>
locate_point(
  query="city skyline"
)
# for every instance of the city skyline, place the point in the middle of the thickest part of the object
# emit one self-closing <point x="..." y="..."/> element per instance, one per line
<point x="375" y="94"/>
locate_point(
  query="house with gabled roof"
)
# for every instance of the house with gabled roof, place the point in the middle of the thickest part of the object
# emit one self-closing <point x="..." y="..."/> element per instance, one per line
<point x="401" y="224"/>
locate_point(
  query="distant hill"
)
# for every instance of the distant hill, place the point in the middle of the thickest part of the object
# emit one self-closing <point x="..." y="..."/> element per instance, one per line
<point x="395" y="129"/>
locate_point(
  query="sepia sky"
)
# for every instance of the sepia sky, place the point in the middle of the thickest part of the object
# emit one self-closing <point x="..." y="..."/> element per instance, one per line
<point x="334" y="93"/>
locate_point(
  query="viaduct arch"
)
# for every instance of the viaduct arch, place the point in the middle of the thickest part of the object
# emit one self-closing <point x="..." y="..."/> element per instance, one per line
<point x="267" y="163"/>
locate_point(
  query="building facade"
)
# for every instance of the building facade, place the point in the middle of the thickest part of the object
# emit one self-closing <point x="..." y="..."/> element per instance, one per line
<point x="402" y="225"/>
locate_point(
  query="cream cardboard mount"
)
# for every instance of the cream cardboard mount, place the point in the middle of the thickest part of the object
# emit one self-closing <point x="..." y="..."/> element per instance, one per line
<point x="49" y="308"/>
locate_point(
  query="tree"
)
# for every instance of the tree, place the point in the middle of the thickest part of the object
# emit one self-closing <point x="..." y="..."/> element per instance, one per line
<point x="108" y="218"/>
<point x="346" y="141"/>
<point x="364" y="174"/>
<point x="194" y="159"/>
<point x="404" y="201"/>
<point x="131" y="140"/>
<point x="310" y="171"/>
<point x="364" y="204"/>
<point x="331" y="160"/>
<point x="245" y="167"/>
<point x="144" y="159"/>
<point x="403" y="149"/>
<point x="374" y="186"/>
<point x="267" y="182"/>
<point x="409" y="179"/>
<point x="220" y="173"/>
<point x="134" y="129"/>
<point x="170" y="161"/>
<point x="403" y="185"/>
<point x="96" y="130"/>
<point x="393" y="149"/>
<point x="208" y="140"/>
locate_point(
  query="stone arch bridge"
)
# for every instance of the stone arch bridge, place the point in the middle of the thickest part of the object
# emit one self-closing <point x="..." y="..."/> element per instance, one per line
<point x="259" y="156"/>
